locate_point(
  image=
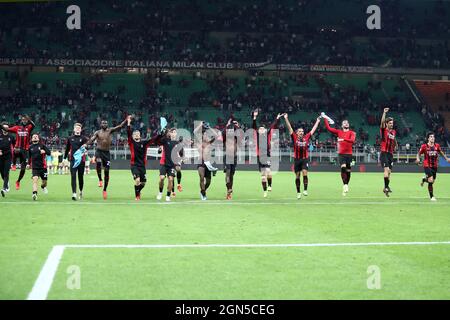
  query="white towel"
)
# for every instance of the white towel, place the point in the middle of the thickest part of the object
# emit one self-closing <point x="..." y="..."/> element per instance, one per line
<point x="323" y="115"/>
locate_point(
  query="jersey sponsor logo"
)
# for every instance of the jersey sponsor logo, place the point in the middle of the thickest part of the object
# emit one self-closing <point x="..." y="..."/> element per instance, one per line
<point x="391" y="136"/>
<point x="432" y="153"/>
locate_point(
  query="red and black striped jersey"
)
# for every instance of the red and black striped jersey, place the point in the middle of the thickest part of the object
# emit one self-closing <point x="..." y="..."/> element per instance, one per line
<point x="259" y="137"/>
<point x="301" y="145"/>
<point x="388" y="142"/>
<point x="431" y="153"/>
<point x="23" y="135"/>
<point x="37" y="159"/>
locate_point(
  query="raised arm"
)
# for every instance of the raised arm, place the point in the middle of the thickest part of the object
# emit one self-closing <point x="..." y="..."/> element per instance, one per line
<point x="92" y="139"/>
<point x="129" y="133"/>
<point x="314" y="128"/>
<point x="120" y="126"/>
<point x="383" y="118"/>
<point x="254" y="115"/>
<point x="275" y="122"/>
<point x="288" y="124"/>
<point x="31" y="123"/>
<point x="330" y="129"/>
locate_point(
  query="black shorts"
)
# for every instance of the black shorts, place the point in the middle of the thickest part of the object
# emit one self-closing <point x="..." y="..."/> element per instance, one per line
<point x="231" y="167"/>
<point x="41" y="173"/>
<point x="167" y="171"/>
<point x="387" y="160"/>
<point x="207" y="172"/>
<point x="345" y="159"/>
<point x="20" y="154"/>
<point x="431" y="172"/>
<point x="264" y="165"/>
<point x="104" y="157"/>
<point x="139" y="172"/>
<point x="301" y="164"/>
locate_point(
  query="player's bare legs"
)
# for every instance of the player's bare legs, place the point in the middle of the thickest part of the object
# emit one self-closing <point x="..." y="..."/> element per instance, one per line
<point x="297" y="184"/>
<point x="345" y="175"/>
<point x="229" y="177"/>
<point x="201" y="175"/>
<point x="35" y="187"/>
<point x="99" y="172"/>
<point x="178" y="170"/>
<point x="169" y="188"/>
<point x="138" y="186"/>
<point x="430" y="180"/>
<point x="265" y="174"/>
<point x="161" y="187"/>
<point x="387" y="179"/>
<point x="305" y="182"/>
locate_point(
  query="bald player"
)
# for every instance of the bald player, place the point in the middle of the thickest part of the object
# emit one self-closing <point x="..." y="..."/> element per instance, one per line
<point x="102" y="154"/>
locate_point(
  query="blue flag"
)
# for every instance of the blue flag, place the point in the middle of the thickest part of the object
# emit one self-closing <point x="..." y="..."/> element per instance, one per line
<point x="77" y="156"/>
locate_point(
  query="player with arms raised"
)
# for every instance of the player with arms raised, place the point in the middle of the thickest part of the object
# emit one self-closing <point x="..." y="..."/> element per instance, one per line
<point x="37" y="161"/>
<point x="388" y="146"/>
<point x="346" y="139"/>
<point x="6" y="148"/>
<point x="138" y="150"/>
<point x="301" y="143"/>
<point x="262" y="134"/>
<point x="431" y="152"/>
<point x="102" y="154"/>
<point x="23" y="134"/>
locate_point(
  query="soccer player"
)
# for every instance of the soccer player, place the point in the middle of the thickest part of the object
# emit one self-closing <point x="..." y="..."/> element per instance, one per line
<point x="50" y="163"/>
<point x="60" y="163"/>
<point x="37" y="160"/>
<point x="205" y="168"/>
<point x="231" y="147"/>
<point x="6" y="150"/>
<point x="23" y="134"/>
<point x="55" y="161"/>
<point x="388" y="146"/>
<point x="346" y="139"/>
<point x="178" y="169"/>
<point x="171" y="148"/>
<point x="138" y="150"/>
<point x="301" y="144"/>
<point x="262" y="134"/>
<point x="431" y="152"/>
<point x="75" y="143"/>
<point x="102" y="154"/>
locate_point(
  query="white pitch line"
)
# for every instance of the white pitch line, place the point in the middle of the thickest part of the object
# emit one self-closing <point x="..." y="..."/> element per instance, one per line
<point x="45" y="279"/>
<point x="223" y="202"/>
<point x="272" y="245"/>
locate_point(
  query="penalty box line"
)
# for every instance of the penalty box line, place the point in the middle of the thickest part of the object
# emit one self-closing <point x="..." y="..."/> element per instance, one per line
<point x="45" y="279"/>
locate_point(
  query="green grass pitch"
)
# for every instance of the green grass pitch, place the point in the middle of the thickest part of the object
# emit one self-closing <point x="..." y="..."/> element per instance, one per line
<point x="29" y="231"/>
